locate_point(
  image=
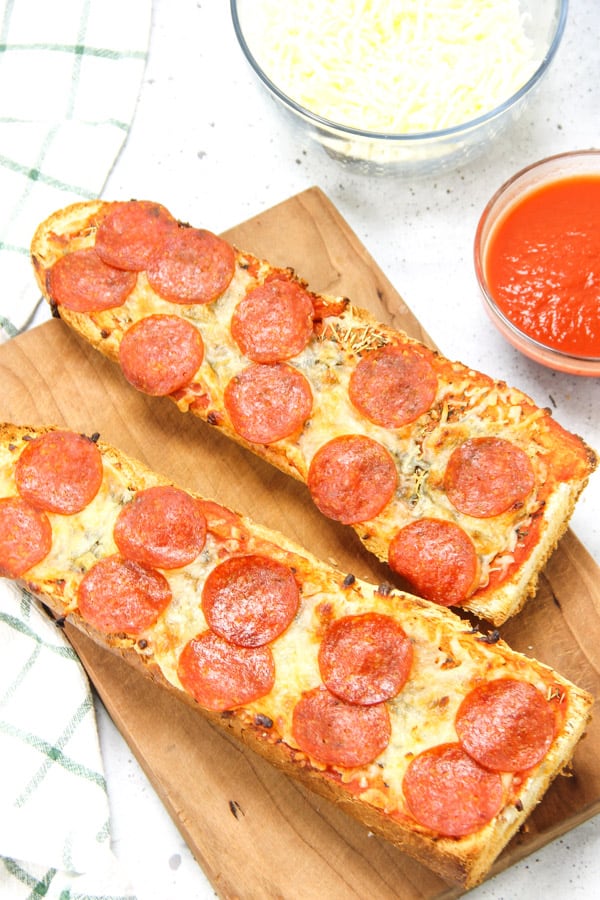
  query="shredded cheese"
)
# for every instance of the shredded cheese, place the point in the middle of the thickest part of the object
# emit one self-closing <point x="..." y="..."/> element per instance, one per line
<point x="393" y="66"/>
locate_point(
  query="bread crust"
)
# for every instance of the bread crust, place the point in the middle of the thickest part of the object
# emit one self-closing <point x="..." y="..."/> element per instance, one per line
<point x="463" y="860"/>
<point x="355" y="330"/>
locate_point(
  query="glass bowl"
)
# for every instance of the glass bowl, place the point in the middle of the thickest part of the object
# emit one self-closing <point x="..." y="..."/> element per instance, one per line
<point x="563" y="285"/>
<point x="414" y="152"/>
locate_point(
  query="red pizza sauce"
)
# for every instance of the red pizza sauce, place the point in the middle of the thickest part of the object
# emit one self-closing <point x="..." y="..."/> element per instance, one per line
<point x="543" y="265"/>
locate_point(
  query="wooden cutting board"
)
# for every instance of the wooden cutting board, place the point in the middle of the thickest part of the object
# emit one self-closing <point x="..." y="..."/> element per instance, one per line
<point x="255" y="832"/>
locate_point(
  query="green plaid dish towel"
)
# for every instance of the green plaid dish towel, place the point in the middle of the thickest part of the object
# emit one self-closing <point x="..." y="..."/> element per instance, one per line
<point x="54" y="822"/>
<point x="70" y="76"/>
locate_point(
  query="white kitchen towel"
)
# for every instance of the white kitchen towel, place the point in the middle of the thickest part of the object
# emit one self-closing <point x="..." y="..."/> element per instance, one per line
<point x="70" y="76"/>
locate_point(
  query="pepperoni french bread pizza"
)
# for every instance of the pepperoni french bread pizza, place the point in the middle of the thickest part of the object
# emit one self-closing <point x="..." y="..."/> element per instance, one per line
<point x="462" y="484"/>
<point x="388" y="704"/>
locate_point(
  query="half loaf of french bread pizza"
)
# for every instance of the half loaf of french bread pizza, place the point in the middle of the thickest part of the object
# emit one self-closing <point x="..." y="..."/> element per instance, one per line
<point x="459" y="482"/>
<point x="389" y="705"/>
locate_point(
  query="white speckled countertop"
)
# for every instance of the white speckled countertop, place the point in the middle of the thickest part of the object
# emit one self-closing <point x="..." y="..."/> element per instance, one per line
<point x="208" y="142"/>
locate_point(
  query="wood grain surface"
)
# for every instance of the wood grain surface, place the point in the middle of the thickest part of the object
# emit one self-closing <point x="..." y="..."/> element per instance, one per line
<point x="255" y="832"/>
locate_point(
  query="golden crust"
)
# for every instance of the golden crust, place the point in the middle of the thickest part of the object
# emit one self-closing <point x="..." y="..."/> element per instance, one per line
<point x="464" y="860"/>
<point x="355" y="330"/>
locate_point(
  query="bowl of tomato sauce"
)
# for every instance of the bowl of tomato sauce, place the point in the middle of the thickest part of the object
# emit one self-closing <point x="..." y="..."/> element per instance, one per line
<point x="537" y="261"/>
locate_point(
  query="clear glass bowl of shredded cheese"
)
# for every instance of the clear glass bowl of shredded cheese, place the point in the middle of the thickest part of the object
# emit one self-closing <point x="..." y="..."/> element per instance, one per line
<point x="414" y="85"/>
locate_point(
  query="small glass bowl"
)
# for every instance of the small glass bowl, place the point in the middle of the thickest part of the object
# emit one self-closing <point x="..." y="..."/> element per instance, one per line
<point x="413" y="154"/>
<point x="549" y="170"/>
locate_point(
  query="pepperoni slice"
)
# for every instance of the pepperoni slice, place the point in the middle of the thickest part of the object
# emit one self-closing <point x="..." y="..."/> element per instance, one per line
<point x="274" y="321"/>
<point x="82" y="282"/>
<point x="59" y="472"/>
<point x="506" y="725"/>
<point x="352" y="478"/>
<point x="222" y="676"/>
<point x="119" y="595"/>
<point x="191" y="266"/>
<point x="394" y="385"/>
<point x="449" y="793"/>
<point x="437" y="558"/>
<point x="161" y="354"/>
<point x="25" y="536"/>
<point x="223" y="522"/>
<point x="365" y="658"/>
<point x="268" y="403"/>
<point x="338" y="733"/>
<point x="486" y="476"/>
<point x="162" y="526"/>
<point x="250" y="600"/>
<point x="132" y="232"/>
